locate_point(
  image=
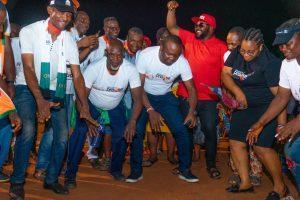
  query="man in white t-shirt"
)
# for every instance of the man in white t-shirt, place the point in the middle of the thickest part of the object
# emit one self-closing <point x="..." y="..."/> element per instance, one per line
<point x="46" y="49"/>
<point x="106" y="82"/>
<point x="159" y="66"/>
<point x="111" y="29"/>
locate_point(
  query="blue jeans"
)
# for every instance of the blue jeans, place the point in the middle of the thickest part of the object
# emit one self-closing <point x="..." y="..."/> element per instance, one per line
<point x="168" y="106"/>
<point x="207" y="112"/>
<point x="292" y="151"/>
<point x="78" y="138"/>
<point x="26" y="106"/>
<point x="45" y="148"/>
<point x="47" y="139"/>
<point x="5" y="139"/>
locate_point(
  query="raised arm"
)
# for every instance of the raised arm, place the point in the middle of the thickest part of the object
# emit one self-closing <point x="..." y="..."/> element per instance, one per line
<point x="171" y="18"/>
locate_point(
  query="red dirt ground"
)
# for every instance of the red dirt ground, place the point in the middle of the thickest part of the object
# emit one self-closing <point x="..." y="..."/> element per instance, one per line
<point x="158" y="183"/>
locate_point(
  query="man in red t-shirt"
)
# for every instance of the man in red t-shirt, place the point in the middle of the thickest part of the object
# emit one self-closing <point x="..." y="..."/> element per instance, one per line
<point x="204" y="53"/>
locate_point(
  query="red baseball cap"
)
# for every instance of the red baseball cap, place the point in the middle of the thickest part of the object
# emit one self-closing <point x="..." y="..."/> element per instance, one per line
<point x="209" y="19"/>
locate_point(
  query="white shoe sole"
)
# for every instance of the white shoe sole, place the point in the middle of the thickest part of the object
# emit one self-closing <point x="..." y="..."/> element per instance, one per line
<point x="128" y="180"/>
<point x="188" y="180"/>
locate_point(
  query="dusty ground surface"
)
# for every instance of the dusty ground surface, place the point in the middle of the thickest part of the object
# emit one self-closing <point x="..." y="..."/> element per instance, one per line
<point x="158" y="183"/>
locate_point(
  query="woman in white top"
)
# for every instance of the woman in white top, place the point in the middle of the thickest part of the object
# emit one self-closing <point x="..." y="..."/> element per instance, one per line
<point x="288" y="39"/>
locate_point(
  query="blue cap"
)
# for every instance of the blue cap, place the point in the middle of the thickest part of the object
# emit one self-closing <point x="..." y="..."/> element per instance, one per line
<point x="63" y="5"/>
<point x="283" y="35"/>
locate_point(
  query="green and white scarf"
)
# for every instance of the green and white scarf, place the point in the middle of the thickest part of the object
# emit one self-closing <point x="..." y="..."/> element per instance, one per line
<point x="45" y="62"/>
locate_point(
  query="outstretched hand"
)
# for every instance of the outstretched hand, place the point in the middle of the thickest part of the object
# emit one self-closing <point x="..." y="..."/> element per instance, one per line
<point x="15" y="121"/>
<point x="43" y="112"/>
<point x="290" y="130"/>
<point x="254" y="132"/>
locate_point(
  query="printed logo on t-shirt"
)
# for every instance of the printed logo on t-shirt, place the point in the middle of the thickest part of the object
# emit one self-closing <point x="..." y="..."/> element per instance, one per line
<point x="237" y="74"/>
<point x="158" y="76"/>
<point x="109" y="89"/>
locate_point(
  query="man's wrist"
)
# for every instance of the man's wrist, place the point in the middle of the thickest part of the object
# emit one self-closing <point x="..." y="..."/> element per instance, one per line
<point x="150" y="108"/>
<point x="193" y="111"/>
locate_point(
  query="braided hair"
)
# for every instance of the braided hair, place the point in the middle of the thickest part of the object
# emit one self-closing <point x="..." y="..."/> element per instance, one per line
<point x="255" y="35"/>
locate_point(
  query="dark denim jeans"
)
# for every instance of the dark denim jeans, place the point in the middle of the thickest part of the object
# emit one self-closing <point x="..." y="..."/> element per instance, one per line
<point x="5" y="138"/>
<point x="168" y="106"/>
<point x="45" y="147"/>
<point x="78" y="138"/>
<point x="207" y="112"/>
<point x="26" y="106"/>
<point x="292" y="151"/>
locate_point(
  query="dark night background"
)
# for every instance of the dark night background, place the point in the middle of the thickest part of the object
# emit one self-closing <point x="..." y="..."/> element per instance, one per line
<point x="150" y="14"/>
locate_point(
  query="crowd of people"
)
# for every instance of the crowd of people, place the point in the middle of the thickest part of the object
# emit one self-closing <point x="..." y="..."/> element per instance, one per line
<point x="110" y="92"/>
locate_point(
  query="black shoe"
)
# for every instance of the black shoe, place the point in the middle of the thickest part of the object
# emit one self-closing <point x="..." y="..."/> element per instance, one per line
<point x="16" y="191"/>
<point x="57" y="188"/>
<point x="236" y="189"/>
<point x="70" y="184"/>
<point x="188" y="176"/>
<point x="133" y="178"/>
<point x="119" y="177"/>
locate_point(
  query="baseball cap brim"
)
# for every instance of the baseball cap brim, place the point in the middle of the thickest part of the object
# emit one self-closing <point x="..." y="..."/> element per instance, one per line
<point x="63" y="8"/>
<point x="195" y="19"/>
<point x="282" y="38"/>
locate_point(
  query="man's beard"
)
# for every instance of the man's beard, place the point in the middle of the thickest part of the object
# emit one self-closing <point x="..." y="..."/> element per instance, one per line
<point x="203" y="35"/>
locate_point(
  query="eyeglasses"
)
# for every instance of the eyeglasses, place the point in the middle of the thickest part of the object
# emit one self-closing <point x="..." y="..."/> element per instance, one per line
<point x="249" y="53"/>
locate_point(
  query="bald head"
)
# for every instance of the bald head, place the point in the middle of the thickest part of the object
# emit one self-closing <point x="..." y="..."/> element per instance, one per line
<point x="115" y="54"/>
<point x="170" y="49"/>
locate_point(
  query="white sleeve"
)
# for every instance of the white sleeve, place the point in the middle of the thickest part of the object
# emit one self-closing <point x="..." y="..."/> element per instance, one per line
<point x="72" y="50"/>
<point x="284" y="81"/>
<point x="98" y="53"/>
<point x="26" y="40"/>
<point x="185" y="70"/>
<point x="141" y="63"/>
<point x="134" y="79"/>
<point x="90" y="75"/>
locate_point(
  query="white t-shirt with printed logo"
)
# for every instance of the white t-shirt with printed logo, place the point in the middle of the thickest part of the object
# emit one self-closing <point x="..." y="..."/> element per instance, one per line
<point x="29" y="40"/>
<point x="108" y="90"/>
<point x="290" y="77"/>
<point x="160" y="77"/>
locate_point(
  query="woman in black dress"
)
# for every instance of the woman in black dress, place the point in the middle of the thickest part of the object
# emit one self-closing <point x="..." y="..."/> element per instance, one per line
<point x="251" y="73"/>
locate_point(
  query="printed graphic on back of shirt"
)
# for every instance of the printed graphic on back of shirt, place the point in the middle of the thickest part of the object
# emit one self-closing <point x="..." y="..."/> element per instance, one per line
<point x="237" y="74"/>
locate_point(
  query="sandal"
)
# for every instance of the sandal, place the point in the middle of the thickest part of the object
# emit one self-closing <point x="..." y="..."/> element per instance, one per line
<point x="236" y="189"/>
<point x="149" y="162"/>
<point x="214" y="173"/>
<point x="276" y="196"/>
